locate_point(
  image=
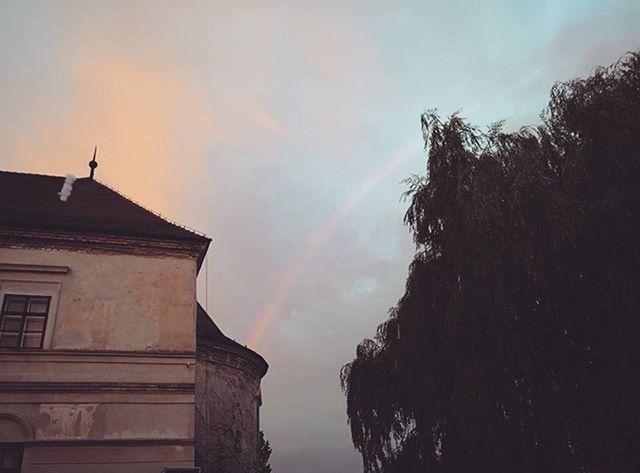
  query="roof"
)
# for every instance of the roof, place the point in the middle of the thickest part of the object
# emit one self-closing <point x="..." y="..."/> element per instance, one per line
<point x="31" y="202"/>
<point x="206" y="329"/>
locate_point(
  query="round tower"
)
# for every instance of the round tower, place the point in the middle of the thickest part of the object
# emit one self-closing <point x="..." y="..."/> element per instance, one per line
<point x="227" y="401"/>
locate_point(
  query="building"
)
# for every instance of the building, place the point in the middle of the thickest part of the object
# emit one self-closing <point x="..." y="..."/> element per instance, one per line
<point x="107" y="361"/>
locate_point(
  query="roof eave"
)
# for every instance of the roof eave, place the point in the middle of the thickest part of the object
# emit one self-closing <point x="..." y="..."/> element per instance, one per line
<point x="103" y="242"/>
<point x="202" y="255"/>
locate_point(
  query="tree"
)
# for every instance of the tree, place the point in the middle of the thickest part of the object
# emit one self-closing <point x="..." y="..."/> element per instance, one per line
<point x="516" y="345"/>
<point x="263" y="455"/>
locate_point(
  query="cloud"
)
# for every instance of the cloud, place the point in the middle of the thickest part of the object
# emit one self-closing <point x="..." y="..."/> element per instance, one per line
<point x="256" y="123"/>
<point x="140" y="117"/>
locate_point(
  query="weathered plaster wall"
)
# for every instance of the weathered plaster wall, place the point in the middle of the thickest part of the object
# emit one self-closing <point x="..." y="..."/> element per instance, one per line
<point x="94" y="367"/>
<point x="139" y="458"/>
<point x="124" y="419"/>
<point x="227" y="403"/>
<point x="113" y="388"/>
<point x="114" y="420"/>
<point x="115" y="301"/>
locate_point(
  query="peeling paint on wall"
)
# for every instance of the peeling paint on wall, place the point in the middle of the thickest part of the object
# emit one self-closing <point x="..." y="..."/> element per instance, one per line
<point x="66" y="421"/>
<point x="120" y="301"/>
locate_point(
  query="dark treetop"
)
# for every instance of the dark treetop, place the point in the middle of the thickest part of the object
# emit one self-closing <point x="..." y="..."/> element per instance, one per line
<point x="516" y="346"/>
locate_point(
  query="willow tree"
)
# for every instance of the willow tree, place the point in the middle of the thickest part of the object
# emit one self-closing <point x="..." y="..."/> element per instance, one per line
<point x="516" y="345"/>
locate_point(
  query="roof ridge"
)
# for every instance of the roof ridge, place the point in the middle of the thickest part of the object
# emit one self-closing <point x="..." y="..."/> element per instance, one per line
<point x="153" y="212"/>
<point x="32" y="174"/>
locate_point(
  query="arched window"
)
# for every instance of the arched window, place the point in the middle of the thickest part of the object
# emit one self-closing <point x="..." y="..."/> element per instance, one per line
<point x="14" y="432"/>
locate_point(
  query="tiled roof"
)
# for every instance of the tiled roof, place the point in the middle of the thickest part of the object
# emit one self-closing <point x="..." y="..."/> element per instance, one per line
<point x="31" y="201"/>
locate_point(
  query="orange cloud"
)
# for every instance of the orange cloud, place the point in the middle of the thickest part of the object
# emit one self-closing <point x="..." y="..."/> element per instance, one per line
<point x="147" y="123"/>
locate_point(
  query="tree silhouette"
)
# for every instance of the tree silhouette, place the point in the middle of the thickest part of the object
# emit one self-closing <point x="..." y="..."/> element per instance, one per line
<point x="263" y="455"/>
<point x="516" y="345"/>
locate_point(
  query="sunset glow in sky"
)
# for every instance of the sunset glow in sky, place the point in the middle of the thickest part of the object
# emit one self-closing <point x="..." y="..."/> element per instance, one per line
<point x="283" y="130"/>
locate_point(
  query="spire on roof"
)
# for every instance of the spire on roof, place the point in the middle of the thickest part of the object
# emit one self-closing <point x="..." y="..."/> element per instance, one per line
<point x="93" y="164"/>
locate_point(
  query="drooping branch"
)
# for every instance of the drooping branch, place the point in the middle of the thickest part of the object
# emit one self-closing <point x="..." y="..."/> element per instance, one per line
<point x="514" y="346"/>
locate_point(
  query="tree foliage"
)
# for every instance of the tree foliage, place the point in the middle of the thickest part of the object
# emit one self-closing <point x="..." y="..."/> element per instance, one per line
<point x="516" y="345"/>
<point x="263" y="455"/>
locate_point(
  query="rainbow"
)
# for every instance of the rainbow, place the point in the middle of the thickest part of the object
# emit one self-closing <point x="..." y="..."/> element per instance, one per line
<point x="286" y="279"/>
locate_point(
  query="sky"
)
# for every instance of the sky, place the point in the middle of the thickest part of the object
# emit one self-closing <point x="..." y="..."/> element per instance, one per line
<point x="283" y="130"/>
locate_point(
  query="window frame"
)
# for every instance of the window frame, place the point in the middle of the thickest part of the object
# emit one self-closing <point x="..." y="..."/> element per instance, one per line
<point x="35" y="280"/>
<point x="12" y="447"/>
<point x="25" y="314"/>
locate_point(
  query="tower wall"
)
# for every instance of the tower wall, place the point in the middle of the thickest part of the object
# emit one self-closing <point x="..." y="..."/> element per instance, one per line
<point x="227" y="403"/>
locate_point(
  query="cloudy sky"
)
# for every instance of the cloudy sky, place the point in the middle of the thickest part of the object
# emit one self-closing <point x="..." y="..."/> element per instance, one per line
<point x="283" y="131"/>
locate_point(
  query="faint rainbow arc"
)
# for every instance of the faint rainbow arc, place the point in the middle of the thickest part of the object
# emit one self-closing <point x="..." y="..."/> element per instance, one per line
<point x="288" y="277"/>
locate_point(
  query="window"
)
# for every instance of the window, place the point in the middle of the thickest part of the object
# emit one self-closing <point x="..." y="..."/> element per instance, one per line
<point x="10" y="458"/>
<point x="23" y="321"/>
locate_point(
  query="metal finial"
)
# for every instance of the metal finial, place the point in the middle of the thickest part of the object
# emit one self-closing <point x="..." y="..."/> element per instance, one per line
<point x="93" y="164"/>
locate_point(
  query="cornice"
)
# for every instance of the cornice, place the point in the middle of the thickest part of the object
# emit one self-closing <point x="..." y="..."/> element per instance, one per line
<point x="236" y="357"/>
<point x="39" y="355"/>
<point x="120" y="442"/>
<point x="91" y="387"/>
<point x="33" y="268"/>
<point x="100" y="243"/>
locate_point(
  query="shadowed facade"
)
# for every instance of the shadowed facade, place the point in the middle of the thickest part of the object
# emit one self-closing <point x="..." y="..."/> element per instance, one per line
<point x="100" y="365"/>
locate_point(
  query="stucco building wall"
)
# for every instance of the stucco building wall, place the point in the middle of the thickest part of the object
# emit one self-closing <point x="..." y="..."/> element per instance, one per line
<point x="112" y="301"/>
<point x="113" y="387"/>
